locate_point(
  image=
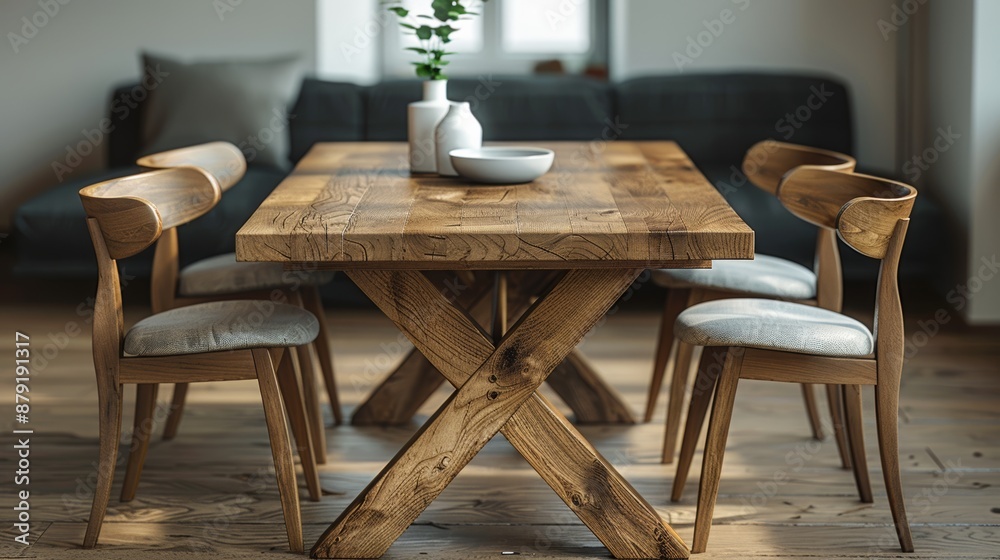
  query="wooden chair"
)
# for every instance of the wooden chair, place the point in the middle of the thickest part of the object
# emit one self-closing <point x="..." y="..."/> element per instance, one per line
<point x="791" y="342"/>
<point x="218" y="341"/>
<point x="222" y="277"/>
<point x="765" y="276"/>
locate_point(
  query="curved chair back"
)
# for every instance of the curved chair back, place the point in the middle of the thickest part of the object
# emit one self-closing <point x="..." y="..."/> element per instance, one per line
<point x="132" y="211"/>
<point x="124" y="217"/>
<point x="223" y="160"/>
<point x="767" y="162"/>
<point x="862" y="209"/>
<point x="871" y="216"/>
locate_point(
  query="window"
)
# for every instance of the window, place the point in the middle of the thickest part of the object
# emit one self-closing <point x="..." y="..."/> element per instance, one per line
<point x="511" y="37"/>
<point x="545" y="26"/>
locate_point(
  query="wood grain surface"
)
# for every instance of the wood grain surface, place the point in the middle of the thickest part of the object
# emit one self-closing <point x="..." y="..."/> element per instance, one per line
<point x="355" y="205"/>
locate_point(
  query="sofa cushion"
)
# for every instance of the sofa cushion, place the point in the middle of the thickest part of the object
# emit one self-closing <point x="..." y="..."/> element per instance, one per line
<point x="717" y="117"/>
<point x="243" y="102"/>
<point x="52" y="237"/>
<point x="326" y="112"/>
<point x="509" y="108"/>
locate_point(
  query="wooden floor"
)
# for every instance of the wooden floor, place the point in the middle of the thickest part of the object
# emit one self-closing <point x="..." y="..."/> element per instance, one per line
<point x="210" y="493"/>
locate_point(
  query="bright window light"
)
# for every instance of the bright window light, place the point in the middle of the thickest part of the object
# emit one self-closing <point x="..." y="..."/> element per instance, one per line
<point x="468" y="38"/>
<point x="546" y="26"/>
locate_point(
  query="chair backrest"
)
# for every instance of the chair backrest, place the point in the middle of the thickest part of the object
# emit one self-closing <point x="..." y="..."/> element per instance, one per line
<point x="870" y="215"/>
<point x="125" y="216"/>
<point x="765" y="164"/>
<point x="132" y="211"/>
<point x="222" y="159"/>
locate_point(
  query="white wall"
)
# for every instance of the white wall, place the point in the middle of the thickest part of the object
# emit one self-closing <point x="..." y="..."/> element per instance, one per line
<point x="58" y="83"/>
<point x="349" y="39"/>
<point x="964" y="96"/>
<point x="985" y="234"/>
<point x="839" y="37"/>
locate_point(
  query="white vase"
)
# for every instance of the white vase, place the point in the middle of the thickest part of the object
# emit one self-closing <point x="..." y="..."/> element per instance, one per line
<point x="422" y="119"/>
<point x="458" y="129"/>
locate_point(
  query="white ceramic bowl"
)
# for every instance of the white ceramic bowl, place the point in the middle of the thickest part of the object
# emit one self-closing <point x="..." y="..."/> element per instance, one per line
<point x="502" y="165"/>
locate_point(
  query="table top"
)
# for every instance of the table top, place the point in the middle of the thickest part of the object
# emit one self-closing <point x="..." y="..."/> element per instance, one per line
<point x="603" y="205"/>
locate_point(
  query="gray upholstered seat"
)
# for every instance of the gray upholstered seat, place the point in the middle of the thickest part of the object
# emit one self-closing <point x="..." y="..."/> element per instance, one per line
<point x="764" y="276"/>
<point x="221" y="325"/>
<point x="224" y="275"/>
<point x="774" y="325"/>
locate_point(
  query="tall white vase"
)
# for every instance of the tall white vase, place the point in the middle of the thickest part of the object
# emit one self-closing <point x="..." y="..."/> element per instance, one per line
<point x="458" y="129"/>
<point x="422" y="120"/>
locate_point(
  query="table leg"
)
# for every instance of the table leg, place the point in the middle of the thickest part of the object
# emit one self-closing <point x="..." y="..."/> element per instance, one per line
<point x="398" y="397"/>
<point x="590" y="398"/>
<point x="499" y="395"/>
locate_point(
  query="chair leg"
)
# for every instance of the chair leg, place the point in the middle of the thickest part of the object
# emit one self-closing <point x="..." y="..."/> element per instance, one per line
<point x="887" y="419"/>
<point x="835" y="400"/>
<point x="715" y="447"/>
<point x="299" y="421"/>
<point x="676" y="302"/>
<point x="176" y="411"/>
<point x="281" y="449"/>
<point x="812" y="411"/>
<point x="701" y="396"/>
<point x="145" y="405"/>
<point x="856" y="437"/>
<point x="303" y="362"/>
<point x="675" y="403"/>
<point x="314" y="304"/>
<point x="110" y="430"/>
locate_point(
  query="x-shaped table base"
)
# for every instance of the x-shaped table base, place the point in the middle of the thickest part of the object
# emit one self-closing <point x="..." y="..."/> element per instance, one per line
<point x="496" y="393"/>
<point x="396" y="399"/>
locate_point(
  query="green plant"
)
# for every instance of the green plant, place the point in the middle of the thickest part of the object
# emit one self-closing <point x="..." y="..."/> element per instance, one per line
<point x="433" y="36"/>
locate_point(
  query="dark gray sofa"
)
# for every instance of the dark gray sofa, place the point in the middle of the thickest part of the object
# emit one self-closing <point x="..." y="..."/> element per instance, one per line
<point x="714" y="117"/>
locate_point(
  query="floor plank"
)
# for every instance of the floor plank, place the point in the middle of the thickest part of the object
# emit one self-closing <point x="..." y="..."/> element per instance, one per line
<point x="210" y="492"/>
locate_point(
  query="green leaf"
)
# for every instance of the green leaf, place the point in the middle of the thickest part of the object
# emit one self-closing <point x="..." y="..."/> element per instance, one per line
<point x="424" y="71"/>
<point x="425" y="32"/>
<point x="417" y="50"/>
<point x="444" y="32"/>
<point x="399" y="11"/>
<point x="424" y="16"/>
<point x="406" y="25"/>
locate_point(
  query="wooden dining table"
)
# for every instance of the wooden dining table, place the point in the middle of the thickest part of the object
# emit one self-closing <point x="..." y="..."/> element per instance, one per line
<point x="574" y="240"/>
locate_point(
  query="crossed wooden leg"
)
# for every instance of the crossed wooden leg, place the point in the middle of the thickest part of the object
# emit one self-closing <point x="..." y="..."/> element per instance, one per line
<point x="496" y="393"/>
<point x="398" y="397"/>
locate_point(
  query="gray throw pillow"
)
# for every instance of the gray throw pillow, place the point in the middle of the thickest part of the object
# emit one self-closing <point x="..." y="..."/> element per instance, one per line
<point x="246" y="103"/>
